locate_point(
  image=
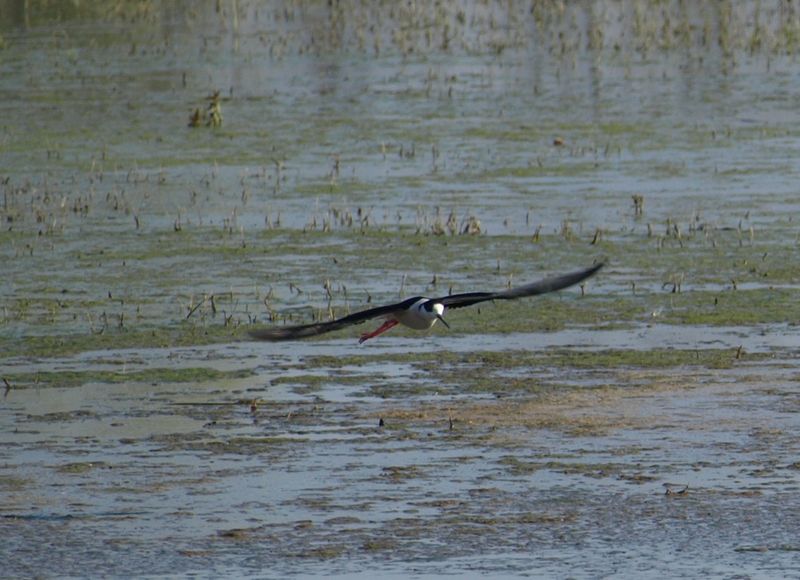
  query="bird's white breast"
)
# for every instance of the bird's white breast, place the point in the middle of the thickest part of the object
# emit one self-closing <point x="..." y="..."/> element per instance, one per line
<point x="417" y="317"/>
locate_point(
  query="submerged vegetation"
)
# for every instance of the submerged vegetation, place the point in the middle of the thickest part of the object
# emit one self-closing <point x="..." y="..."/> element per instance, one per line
<point x="126" y="297"/>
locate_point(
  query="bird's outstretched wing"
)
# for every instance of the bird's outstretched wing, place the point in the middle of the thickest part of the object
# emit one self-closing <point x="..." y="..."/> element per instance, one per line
<point x="276" y="334"/>
<point x="280" y="333"/>
<point x="534" y="288"/>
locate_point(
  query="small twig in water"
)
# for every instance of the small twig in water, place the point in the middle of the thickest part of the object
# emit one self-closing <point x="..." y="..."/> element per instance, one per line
<point x="194" y="309"/>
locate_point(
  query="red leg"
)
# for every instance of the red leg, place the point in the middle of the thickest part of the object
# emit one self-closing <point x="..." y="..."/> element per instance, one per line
<point x="391" y="323"/>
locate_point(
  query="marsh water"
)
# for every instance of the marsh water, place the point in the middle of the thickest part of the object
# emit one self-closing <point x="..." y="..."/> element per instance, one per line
<point x="174" y="173"/>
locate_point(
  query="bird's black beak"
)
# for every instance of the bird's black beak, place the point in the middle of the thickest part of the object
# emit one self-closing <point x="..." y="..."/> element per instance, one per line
<point x="440" y="317"/>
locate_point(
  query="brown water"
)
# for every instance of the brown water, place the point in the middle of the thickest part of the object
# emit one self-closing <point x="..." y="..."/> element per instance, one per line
<point x="635" y="431"/>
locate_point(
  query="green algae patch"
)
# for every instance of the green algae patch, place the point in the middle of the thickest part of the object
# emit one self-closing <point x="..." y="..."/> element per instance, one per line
<point x="328" y="552"/>
<point x="202" y="441"/>
<point x="167" y="336"/>
<point x="10" y="483"/>
<point x="642" y="359"/>
<point x="535" y="374"/>
<point x="554" y="357"/>
<point x="744" y="307"/>
<point x="66" y="379"/>
<point x="80" y="467"/>
<point x="517" y="466"/>
<point x="401" y="473"/>
<point x="247" y="445"/>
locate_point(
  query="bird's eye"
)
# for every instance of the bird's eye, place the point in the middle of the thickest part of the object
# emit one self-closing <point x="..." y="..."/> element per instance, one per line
<point x="428" y="306"/>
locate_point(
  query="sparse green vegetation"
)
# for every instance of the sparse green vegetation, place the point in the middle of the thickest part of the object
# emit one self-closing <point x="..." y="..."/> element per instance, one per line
<point x="65" y="379"/>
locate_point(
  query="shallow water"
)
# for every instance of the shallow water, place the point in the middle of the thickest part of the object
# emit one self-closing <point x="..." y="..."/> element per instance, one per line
<point x="641" y="427"/>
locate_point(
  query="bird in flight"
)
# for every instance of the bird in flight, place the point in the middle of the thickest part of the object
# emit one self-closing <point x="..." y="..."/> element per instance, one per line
<point x="421" y="313"/>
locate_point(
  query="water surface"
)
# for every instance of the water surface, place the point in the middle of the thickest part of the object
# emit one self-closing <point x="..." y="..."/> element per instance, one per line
<point x="640" y="427"/>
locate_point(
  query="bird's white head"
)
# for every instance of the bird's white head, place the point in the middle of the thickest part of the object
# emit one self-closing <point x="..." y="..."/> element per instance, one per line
<point x="422" y="314"/>
<point x="437" y="310"/>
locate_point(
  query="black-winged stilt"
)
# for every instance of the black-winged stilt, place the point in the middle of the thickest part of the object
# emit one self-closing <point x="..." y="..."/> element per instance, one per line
<point x="421" y="313"/>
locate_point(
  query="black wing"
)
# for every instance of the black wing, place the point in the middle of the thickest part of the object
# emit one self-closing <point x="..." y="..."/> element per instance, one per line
<point x="541" y="287"/>
<point x="275" y="334"/>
